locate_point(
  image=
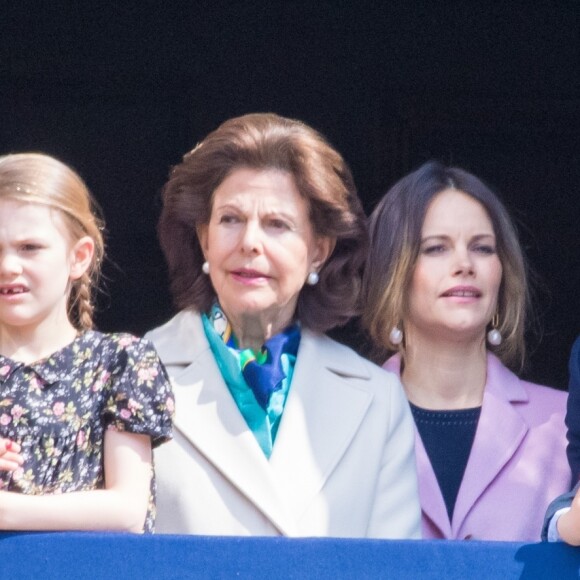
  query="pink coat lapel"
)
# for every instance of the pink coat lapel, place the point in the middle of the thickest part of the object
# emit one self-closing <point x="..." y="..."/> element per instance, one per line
<point x="499" y="434"/>
<point x="432" y="502"/>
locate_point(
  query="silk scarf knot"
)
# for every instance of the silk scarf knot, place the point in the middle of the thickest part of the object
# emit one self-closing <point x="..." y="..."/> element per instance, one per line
<point x="263" y="371"/>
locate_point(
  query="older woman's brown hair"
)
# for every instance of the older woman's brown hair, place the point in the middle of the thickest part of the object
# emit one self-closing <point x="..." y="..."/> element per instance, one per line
<point x="265" y="141"/>
<point x="395" y="231"/>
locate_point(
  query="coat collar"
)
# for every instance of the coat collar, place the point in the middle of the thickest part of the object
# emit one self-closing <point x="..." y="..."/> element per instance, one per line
<point x="181" y="340"/>
<point x="323" y="412"/>
<point x="500" y="432"/>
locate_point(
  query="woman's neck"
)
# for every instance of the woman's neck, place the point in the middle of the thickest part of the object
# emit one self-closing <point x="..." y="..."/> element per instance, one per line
<point x="30" y="344"/>
<point x="438" y="375"/>
<point x="253" y="330"/>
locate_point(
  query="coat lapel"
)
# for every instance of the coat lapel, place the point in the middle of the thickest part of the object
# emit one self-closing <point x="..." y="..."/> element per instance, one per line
<point x="432" y="502"/>
<point x="323" y="413"/>
<point x="499" y="434"/>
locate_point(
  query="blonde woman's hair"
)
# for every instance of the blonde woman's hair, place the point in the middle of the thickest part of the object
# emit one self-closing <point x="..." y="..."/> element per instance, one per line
<point x="39" y="178"/>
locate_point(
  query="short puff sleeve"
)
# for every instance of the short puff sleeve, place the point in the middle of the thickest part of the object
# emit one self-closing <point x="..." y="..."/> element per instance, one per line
<point x="139" y="399"/>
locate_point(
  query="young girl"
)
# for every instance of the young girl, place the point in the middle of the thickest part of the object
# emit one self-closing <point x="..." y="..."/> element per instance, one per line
<point x="79" y="410"/>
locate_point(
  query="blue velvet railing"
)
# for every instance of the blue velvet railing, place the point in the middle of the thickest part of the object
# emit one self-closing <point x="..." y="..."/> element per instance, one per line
<point x="98" y="556"/>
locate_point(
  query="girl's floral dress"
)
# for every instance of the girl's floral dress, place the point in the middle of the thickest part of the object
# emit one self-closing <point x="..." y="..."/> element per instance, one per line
<point x="59" y="408"/>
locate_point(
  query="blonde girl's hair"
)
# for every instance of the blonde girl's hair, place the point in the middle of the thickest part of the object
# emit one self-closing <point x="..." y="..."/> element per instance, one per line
<point x="39" y="178"/>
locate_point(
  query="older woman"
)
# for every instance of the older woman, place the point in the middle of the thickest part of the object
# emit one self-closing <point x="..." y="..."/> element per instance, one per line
<point x="279" y="430"/>
<point x="445" y="293"/>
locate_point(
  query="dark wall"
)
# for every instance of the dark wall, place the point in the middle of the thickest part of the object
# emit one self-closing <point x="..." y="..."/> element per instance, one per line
<point x="121" y="92"/>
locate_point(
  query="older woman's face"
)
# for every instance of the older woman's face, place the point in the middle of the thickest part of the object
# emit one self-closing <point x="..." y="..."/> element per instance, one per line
<point x="458" y="273"/>
<point x="260" y="245"/>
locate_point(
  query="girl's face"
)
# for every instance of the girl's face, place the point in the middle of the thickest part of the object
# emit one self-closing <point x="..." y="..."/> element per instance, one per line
<point x="458" y="273"/>
<point x="38" y="261"/>
<point x="260" y="245"/>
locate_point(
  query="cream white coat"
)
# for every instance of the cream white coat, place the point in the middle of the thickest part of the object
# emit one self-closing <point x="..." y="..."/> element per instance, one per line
<point x="342" y="464"/>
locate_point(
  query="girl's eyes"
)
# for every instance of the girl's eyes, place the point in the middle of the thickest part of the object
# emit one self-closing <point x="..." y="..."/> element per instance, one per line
<point x="30" y="247"/>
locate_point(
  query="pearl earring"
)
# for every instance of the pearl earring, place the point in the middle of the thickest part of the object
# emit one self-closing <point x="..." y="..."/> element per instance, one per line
<point x="494" y="335"/>
<point x="396" y="336"/>
<point x="312" y="278"/>
<point x="205" y="267"/>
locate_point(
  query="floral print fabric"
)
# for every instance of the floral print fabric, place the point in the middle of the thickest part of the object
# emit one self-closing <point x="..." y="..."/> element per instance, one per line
<point x="59" y="408"/>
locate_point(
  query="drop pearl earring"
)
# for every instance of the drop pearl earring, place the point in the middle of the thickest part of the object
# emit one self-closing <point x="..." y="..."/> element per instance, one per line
<point x="205" y="267"/>
<point x="494" y="335"/>
<point x="396" y="336"/>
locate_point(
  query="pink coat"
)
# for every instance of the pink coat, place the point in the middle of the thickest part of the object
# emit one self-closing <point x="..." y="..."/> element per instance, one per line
<point x="516" y="467"/>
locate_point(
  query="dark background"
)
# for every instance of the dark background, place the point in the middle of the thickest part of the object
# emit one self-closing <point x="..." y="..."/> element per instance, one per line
<point x="121" y="90"/>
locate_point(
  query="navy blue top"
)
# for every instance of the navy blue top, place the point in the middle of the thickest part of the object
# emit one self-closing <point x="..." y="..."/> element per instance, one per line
<point x="447" y="437"/>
